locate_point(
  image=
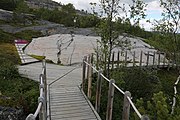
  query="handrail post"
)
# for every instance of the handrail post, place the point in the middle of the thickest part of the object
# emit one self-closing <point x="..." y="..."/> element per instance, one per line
<point x="147" y="62"/>
<point x="45" y="88"/>
<point x="134" y="58"/>
<point x="112" y="65"/>
<point x="84" y="73"/>
<point x="154" y="57"/>
<point x="118" y="60"/>
<point x="41" y="110"/>
<point x="110" y="100"/>
<point x="126" y="106"/>
<point x="89" y="78"/>
<point x="159" y="58"/>
<point x="145" y="117"/>
<point x="44" y="108"/>
<point x="140" y="62"/>
<point x="164" y="59"/>
<point x="126" y="58"/>
<point x="98" y="91"/>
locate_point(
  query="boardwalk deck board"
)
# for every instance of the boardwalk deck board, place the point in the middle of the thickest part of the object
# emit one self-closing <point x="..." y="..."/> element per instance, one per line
<point x="67" y="102"/>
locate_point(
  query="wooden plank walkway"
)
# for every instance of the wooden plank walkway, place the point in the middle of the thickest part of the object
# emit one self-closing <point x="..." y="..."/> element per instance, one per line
<point x="67" y="102"/>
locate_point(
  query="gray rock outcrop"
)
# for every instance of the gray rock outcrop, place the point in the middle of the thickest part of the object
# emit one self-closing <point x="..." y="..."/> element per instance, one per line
<point x="7" y="113"/>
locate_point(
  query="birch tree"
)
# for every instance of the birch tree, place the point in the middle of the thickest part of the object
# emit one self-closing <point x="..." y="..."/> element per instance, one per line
<point x="168" y="26"/>
<point x="110" y="10"/>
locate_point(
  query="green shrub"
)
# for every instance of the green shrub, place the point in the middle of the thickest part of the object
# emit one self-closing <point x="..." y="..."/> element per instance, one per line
<point x="6" y="37"/>
<point x="27" y="34"/>
<point x="8" y="70"/>
<point x="15" y="91"/>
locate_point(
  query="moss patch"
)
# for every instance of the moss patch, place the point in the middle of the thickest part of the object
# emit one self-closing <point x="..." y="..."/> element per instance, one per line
<point x="38" y="57"/>
<point x="8" y="51"/>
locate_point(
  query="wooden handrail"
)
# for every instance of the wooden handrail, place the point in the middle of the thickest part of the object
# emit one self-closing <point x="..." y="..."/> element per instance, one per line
<point x="112" y="86"/>
<point x="42" y="100"/>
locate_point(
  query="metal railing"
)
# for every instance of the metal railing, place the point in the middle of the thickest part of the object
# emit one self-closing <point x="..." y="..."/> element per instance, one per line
<point x="87" y="65"/>
<point x="42" y="100"/>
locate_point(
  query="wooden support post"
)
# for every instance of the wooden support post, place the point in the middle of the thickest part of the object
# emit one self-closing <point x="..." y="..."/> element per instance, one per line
<point x="110" y="100"/>
<point x="126" y="58"/>
<point x="92" y="59"/>
<point x="89" y="78"/>
<point x="87" y="66"/>
<point x="98" y="91"/>
<point x="154" y="57"/>
<point x="164" y="61"/>
<point x="118" y="60"/>
<point x="159" y="58"/>
<point x="113" y="60"/>
<point x="177" y="62"/>
<point x="147" y="62"/>
<point x="84" y="73"/>
<point x="145" y="117"/>
<point x="41" y="114"/>
<point x="126" y="106"/>
<point x="45" y="82"/>
<point x="44" y="109"/>
<point x="97" y="59"/>
<point x="134" y="58"/>
<point x="140" y="62"/>
<point x="105" y="64"/>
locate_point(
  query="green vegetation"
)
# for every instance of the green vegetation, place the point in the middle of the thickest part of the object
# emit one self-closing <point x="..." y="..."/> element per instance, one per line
<point x="8" y="52"/>
<point x="152" y="91"/>
<point x="15" y="91"/>
<point x="8" y="4"/>
<point x="26" y="34"/>
<point x="6" y="37"/>
<point x="38" y="57"/>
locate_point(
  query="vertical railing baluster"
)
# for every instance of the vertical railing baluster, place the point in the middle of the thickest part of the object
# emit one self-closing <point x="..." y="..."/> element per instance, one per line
<point x="41" y="110"/>
<point x="45" y="88"/>
<point x="134" y="58"/>
<point x="147" y="62"/>
<point x="89" y="78"/>
<point x="118" y="60"/>
<point x="98" y="91"/>
<point x="84" y="73"/>
<point x="126" y="106"/>
<point x="110" y="100"/>
<point x="113" y="60"/>
<point x="126" y="58"/>
<point x="164" y="59"/>
<point x="159" y="58"/>
<point x="140" y="62"/>
<point x="154" y="57"/>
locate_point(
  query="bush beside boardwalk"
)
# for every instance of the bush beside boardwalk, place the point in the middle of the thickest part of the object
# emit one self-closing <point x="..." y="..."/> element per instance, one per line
<point x="18" y="96"/>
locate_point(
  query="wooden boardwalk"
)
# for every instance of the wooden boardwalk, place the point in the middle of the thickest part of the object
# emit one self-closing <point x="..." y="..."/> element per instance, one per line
<point x="20" y="44"/>
<point x="65" y="98"/>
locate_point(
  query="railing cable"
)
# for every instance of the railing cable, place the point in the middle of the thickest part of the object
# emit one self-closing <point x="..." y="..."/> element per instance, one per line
<point x="91" y="66"/>
<point x="63" y="75"/>
<point x="41" y="109"/>
<point x="134" y="107"/>
<point x="121" y="91"/>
